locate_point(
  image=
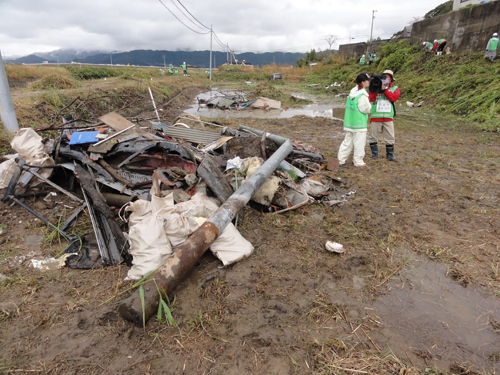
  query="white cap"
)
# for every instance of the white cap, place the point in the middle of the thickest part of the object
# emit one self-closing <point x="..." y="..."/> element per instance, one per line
<point x="184" y="62"/>
<point x="363" y="55"/>
<point x="435" y="40"/>
<point x="495" y="34"/>
<point x="424" y="43"/>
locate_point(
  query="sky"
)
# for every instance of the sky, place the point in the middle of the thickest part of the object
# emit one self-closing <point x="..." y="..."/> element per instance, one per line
<point x="29" y="26"/>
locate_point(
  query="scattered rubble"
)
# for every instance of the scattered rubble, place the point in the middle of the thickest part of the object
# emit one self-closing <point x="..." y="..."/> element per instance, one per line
<point x="178" y="189"/>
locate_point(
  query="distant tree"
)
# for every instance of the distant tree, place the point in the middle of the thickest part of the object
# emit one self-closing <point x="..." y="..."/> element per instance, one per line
<point x="331" y="39"/>
<point x="307" y="59"/>
<point x="441" y="9"/>
<point x="415" y="19"/>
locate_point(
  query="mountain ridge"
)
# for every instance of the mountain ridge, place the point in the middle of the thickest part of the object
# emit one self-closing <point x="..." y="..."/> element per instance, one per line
<point x="156" y="58"/>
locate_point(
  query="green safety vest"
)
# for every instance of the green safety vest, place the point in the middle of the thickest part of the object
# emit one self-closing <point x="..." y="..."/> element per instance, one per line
<point x="354" y="118"/>
<point x="362" y="61"/>
<point x="429" y="45"/>
<point x="183" y="66"/>
<point x="385" y="114"/>
<point x="493" y="44"/>
<point x="441" y="41"/>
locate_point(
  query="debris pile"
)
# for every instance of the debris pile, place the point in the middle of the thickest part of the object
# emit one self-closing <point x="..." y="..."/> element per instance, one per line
<point x="238" y="100"/>
<point x="167" y="186"/>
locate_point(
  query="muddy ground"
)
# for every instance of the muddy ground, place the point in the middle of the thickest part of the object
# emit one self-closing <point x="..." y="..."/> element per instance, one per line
<point x="416" y="290"/>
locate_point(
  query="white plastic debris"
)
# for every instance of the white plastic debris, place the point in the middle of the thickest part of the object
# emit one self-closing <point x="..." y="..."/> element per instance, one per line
<point x="334" y="247"/>
<point x="51" y="263"/>
<point x="49" y="196"/>
<point x="237" y="163"/>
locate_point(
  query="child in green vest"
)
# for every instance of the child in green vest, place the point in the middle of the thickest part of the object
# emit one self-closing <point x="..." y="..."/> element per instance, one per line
<point x="356" y="122"/>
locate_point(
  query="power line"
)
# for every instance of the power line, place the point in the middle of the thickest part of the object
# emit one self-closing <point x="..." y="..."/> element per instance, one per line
<point x="193" y="16"/>
<point x="167" y="8"/>
<point x="180" y="10"/>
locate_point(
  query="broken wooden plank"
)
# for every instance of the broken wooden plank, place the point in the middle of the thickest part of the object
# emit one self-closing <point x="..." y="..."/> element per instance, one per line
<point x="209" y="171"/>
<point x="118" y="123"/>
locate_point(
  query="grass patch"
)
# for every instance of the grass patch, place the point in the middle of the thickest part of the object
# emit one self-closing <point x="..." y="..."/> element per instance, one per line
<point x="54" y="82"/>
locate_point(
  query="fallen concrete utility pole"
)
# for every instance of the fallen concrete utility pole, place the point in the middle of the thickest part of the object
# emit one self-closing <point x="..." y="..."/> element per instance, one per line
<point x="178" y="266"/>
<point x="279" y="141"/>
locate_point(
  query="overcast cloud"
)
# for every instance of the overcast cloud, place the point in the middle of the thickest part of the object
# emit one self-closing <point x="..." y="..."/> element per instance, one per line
<point x="28" y="26"/>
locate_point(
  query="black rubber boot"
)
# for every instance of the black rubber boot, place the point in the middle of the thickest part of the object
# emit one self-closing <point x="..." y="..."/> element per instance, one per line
<point x="390" y="152"/>
<point x="374" y="149"/>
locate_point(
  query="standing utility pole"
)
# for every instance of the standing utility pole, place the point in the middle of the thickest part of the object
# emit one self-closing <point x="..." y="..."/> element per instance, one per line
<point x="211" y="52"/>
<point x="371" y="33"/>
<point x="111" y="57"/>
<point x="227" y="53"/>
<point x="164" y="63"/>
<point x="7" y="114"/>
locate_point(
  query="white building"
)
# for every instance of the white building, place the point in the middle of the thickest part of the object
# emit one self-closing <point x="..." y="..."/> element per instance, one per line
<point x="457" y="4"/>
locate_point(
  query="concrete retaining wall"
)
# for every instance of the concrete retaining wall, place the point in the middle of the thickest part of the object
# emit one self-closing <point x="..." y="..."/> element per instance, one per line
<point x="359" y="49"/>
<point x="466" y="30"/>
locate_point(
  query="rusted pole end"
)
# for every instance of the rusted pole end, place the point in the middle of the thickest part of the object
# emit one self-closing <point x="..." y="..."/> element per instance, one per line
<point x="169" y="275"/>
<point x="131" y="308"/>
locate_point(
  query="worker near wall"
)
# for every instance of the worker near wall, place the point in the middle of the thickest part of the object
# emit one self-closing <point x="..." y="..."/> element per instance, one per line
<point x="357" y="109"/>
<point x="184" y="68"/>
<point x="439" y="46"/>
<point x="491" y="48"/>
<point x="171" y="68"/>
<point x="383" y="98"/>
<point x="362" y="60"/>
<point x="428" y="46"/>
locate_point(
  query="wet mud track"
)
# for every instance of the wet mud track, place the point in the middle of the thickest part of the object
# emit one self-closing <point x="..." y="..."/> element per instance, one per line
<point x="416" y="288"/>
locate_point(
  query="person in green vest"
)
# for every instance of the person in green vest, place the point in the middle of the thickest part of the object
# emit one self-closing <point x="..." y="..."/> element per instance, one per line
<point x="184" y="68"/>
<point x="362" y="60"/>
<point x="356" y="122"/>
<point x="491" y="48"/>
<point x="170" y="69"/>
<point x="383" y="98"/>
<point x="428" y="46"/>
<point x="439" y="46"/>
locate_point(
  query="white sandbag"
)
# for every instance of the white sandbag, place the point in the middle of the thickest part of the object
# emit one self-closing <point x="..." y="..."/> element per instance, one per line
<point x="141" y="209"/>
<point x="7" y="169"/>
<point x="28" y="144"/>
<point x="199" y="205"/>
<point x="178" y="227"/>
<point x="158" y="204"/>
<point x="149" y="245"/>
<point x="45" y="172"/>
<point x="231" y="246"/>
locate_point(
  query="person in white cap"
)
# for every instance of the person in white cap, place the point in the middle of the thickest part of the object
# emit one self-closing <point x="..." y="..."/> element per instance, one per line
<point x="383" y="113"/>
<point x="428" y="46"/>
<point x="491" y="48"/>
<point x="439" y="46"/>
<point x="184" y="68"/>
<point x="362" y="60"/>
<point x="357" y="109"/>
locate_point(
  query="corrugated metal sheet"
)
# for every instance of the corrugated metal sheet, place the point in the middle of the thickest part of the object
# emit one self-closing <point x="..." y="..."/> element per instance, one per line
<point x="191" y="135"/>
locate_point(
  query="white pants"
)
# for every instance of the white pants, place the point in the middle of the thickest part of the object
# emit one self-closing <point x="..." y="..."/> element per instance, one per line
<point x="356" y="140"/>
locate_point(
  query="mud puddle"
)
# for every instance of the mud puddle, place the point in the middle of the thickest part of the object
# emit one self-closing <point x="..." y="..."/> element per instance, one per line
<point x="438" y="321"/>
<point x="328" y="108"/>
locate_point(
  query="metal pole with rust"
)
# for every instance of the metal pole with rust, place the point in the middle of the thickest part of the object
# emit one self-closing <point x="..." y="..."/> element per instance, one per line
<point x="173" y="271"/>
